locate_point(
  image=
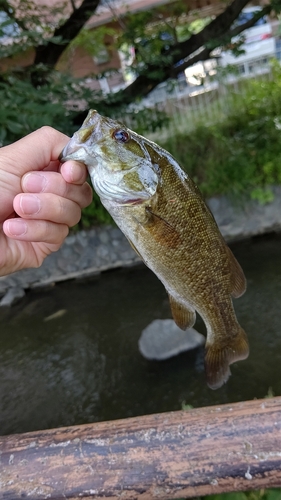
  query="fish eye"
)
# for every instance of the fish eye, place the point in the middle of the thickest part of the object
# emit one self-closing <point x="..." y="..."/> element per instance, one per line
<point x="121" y="135"/>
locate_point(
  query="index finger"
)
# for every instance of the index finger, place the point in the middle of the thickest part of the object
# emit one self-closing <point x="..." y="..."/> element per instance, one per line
<point x="36" y="151"/>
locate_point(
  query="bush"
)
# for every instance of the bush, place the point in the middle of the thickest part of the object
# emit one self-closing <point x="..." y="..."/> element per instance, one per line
<point x="270" y="494"/>
<point x="241" y="154"/>
<point x="250" y="495"/>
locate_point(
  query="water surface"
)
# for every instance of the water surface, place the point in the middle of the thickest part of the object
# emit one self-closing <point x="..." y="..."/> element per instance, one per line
<point x="85" y="366"/>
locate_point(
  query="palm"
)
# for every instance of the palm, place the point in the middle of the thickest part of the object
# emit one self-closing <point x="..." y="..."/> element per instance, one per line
<point x="22" y="254"/>
<point x="40" y="199"/>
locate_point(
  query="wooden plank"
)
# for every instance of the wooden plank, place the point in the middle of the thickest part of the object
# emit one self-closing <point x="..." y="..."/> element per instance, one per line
<point x="164" y="456"/>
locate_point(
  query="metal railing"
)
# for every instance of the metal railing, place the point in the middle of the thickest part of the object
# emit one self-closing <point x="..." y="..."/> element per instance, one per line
<point x="181" y="454"/>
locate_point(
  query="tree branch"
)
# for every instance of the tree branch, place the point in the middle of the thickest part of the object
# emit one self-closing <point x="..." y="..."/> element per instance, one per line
<point x="50" y="53"/>
<point x="216" y="30"/>
<point x="206" y="52"/>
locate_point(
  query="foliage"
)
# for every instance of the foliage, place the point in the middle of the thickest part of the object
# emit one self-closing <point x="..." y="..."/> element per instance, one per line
<point x="242" y="153"/>
<point x="144" y="120"/>
<point x="185" y="406"/>
<point x="92" y="42"/>
<point x="24" y="109"/>
<point x="153" y="36"/>
<point x="27" y="25"/>
<point x="24" y="25"/>
<point x="270" y="494"/>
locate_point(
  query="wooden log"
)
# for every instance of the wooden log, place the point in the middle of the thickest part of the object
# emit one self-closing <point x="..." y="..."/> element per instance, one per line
<point x="169" y="455"/>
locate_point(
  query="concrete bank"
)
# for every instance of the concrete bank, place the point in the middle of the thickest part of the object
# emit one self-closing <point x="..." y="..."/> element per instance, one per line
<point x="89" y="252"/>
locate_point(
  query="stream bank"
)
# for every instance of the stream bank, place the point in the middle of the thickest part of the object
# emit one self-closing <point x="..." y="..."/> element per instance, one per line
<point x="86" y="253"/>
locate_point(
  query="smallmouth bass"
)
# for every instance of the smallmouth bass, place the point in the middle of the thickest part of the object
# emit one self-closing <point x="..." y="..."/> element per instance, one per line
<point x="163" y="215"/>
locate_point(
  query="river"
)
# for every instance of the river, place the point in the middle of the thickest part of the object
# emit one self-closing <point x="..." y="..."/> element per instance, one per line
<point x="84" y="365"/>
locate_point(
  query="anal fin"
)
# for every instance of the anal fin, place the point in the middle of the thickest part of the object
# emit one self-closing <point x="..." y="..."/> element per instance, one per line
<point x="184" y="316"/>
<point x="219" y="357"/>
<point x="238" y="280"/>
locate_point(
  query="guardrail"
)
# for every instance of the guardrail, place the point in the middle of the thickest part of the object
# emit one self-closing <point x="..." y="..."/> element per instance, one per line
<point x="170" y="455"/>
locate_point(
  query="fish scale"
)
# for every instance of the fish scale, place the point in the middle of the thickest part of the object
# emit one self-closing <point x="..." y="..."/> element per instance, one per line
<point x="162" y="213"/>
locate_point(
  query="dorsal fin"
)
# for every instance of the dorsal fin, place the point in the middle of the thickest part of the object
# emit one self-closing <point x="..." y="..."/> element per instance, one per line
<point x="184" y="316"/>
<point x="237" y="277"/>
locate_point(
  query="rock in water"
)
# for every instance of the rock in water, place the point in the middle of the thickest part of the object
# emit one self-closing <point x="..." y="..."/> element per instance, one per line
<point x="163" y="339"/>
<point x="12" y="296"/>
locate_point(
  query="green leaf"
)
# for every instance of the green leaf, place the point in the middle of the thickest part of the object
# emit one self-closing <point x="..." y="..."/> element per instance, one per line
<point x="273" y="494"/>
<point x="229" y="496"/>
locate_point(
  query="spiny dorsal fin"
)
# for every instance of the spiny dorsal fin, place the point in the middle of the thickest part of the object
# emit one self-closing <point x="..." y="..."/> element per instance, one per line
<point x="218" y="358"/>
<point x="184" y="317"/>
<point x="237" y="277"/>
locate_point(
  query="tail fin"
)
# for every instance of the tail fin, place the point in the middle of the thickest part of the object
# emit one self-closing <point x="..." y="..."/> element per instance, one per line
<point x="220" y="355"/>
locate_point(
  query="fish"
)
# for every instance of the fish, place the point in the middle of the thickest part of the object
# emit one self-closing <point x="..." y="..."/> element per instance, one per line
<point x="163" y="215"/>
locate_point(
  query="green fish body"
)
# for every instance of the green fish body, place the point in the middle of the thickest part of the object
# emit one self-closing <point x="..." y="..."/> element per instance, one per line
<point x="163" y="215"/>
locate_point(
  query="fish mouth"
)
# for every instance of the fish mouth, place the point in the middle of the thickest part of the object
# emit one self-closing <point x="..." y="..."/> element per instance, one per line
<point x="73" y="151"/>
<point x="76" y="148"/>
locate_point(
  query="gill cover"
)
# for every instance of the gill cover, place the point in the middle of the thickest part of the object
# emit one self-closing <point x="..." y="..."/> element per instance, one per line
<point x="119" y="165"/>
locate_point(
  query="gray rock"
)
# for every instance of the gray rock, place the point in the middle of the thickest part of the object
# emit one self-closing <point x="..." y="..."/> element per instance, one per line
<point x="163" y="339"/>
<point x="82" y="238"/>
<point x="116" y="233"/>
<point x="12" y="296"/>
<point x="104" y="237"/>
<point x="70" y="240"/>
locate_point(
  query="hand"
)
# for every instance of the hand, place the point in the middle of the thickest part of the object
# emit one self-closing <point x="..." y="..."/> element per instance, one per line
<point x="40" y="199"/>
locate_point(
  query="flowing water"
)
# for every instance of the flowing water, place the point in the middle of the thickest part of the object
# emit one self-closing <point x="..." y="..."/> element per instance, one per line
<point x="84" y="364"/>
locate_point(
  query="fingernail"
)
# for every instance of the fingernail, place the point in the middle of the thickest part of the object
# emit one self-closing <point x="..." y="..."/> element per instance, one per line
<point x="17" y="227"/>
<point x="30" y="204"/>
<point x="75" y="172"/>
<point x="34" y="182"/>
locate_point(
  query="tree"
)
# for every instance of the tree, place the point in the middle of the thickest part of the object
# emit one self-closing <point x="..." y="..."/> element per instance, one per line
<point x="49" y="32"/>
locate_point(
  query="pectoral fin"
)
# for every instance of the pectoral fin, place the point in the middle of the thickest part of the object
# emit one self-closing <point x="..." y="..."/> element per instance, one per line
<point x="161" y="230"/>
<point x="184" y="316"/>
<point x="218" y="358"/>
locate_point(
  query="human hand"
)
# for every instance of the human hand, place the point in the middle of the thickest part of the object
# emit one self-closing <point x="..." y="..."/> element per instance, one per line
<point x="40" y="199"/>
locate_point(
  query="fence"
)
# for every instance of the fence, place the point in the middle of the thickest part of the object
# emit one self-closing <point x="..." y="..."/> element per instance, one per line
<point x="188" y="106"/>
